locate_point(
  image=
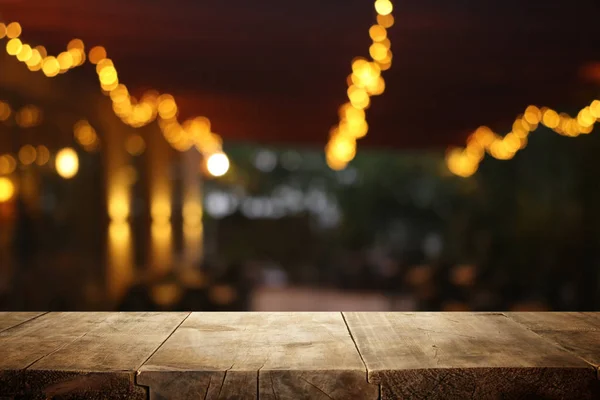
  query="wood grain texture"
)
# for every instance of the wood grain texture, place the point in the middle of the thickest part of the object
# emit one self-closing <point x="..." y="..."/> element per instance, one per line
<point x="11" y="319"/>
<point x="24" y="344"/>
<point x="557" y="321"/>
<point x="466" y="355"/>
<point x="578" y="332"/>
<point x="266" y="355"/>
<point x="101" y="360"/>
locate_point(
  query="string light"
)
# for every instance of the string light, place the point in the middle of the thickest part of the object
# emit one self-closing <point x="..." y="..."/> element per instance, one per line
<point x="465" y="161"/>
<point x="217" y="164"/>
<point x="7" y="189"/>
<point x="364" y="82"/>
<point x="67" y="163"/>
<point x="137" y="113"/>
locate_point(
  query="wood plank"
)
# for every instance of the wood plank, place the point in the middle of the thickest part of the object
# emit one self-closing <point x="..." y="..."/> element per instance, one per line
<point x="557" y="321"/>
<point x="24" y="344"/>
<point x="10" y="319"/>
<point x="465" y="355"/>
<point x="102" y="363"/>
<point x="268" y="355"/>
<point x="578" y="332"/>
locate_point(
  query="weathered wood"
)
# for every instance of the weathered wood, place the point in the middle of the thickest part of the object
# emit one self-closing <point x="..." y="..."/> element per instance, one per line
<point x="11" y="319"/>
<point x="557" y="321"/>
<point x="465" y="355"/>
<point x="578" y="332"/>
<point x="269" y="355"/>
<point x="98" y="358"/>
<point x="24" y="344"/>
<point x="279" y="356"/>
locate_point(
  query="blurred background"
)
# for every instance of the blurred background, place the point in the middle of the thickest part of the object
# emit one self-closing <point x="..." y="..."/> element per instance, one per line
<point x="339" y="155"/>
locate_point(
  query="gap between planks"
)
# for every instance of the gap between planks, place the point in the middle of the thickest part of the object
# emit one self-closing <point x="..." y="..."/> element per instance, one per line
<point x="360" y="355"/>
<point x="155" y="350"/>
<point x="24" y="322"/>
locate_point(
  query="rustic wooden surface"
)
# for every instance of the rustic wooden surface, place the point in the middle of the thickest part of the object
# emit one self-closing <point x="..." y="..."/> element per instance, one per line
<point x="465" y="355"/>
<point x="81" y="354"/>
<point x="10" y="319"/>
<point x="265" y="355"/>
<point x="283" y="356"/>
<point x="578" y="333"/>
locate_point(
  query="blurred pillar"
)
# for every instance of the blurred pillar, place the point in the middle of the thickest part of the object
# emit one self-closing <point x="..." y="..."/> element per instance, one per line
<point x="119" y="255"/>
<point x="193" y="246"/>
<point x="158" y="156"/>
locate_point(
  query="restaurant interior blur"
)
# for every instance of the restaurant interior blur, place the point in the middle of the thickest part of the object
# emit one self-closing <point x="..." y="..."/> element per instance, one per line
<point x="301" y="156"/>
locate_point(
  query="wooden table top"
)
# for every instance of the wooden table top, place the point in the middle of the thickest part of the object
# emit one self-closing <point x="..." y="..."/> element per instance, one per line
<point x="280" y="356"/>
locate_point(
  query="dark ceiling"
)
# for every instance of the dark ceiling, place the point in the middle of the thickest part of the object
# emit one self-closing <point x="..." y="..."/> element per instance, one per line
<point x="274" y="71"/>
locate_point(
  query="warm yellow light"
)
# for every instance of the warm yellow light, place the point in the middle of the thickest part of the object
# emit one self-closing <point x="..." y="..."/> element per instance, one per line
<point x="550" y="118"/>
<point x="192" y="214"/>
<point x="377" y="33"/>
<point x="27" y="154"/>
<point x="35" y="59"/>
<point x="13" y="30"/>
<point x="119" y="231"/>
<point x="595" y="109"/>
<point x="67" y="163"/>
<point x="585" y="117"/>
<point x="217" y="164"/>
<point x="14" y="46"/>
<point x="75" y="44"/>
<point x="383" y="7"/>
<point x="378" y="51"/>
<point x="161" y="212"/>
<point x="108" y="75"/>
<point x="42" y="50"/>
<point x="77" y="55"/>
<point x="387" y="21"/>
<point x="50" y="66"/>
<point x="104" y="63"/>
<point x="135" y="145"/>
<point x="85" y="134"/>
<point x="43" y="155"/>
<point x="167" y="108"/>
<point x="118" y="208"/>
<point x="335" y="164"/>
<point x="2" y="30"/>
<point x="342" y="148"/>
<point x="25" y="53"/>
<point x="7" y="189"/>
<point x="533" y="115"/>
<point x="5" y="111"/>
<point x="358" y="97"/>
<point x="460" y="164"/>
<point x="65" y="60"/>
<point x="96" y="54"/>
<point x="8" y="164"/>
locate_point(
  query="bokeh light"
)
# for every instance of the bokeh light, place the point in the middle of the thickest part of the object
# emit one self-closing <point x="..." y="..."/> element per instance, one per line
<point x="67" y="163"/>
<point x="217" y="164"/>
<point x="383" y="7"/>
<point x="8" y="164"/>
<point x="13" y="30"/>
<point x="135" y="145"/>
<point x="97" y="54"/>
<point x="7" y="189"/>
<point x="27" y="154"/>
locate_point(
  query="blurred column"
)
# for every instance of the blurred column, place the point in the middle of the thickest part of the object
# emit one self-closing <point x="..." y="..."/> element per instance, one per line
<point x="119" y="261"/>
<point x="158" y="155"/>
<point x="193" y="236"/>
